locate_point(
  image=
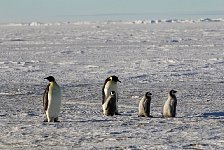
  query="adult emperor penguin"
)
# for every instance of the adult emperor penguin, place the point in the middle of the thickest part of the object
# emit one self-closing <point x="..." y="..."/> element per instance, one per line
<point x="110" y="85"/>
<point x="144" y="105"/>
<point x="169" y="108"/>
<point x="52" y="100"/>
<point x="109" y="106"/>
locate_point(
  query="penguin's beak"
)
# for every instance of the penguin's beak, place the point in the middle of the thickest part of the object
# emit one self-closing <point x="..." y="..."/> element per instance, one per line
<point x="119" y="81"/>
<point x="46" y="78"/>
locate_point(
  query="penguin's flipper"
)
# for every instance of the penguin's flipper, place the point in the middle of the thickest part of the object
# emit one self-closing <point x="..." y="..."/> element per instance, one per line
<point x="145" y="105"/>
<point x="103" y="96"/>
<point x="56" y="120"/>
<point x="45" y="98"/>
<point x="174" y="108"/>
<point x="146" y="108"/>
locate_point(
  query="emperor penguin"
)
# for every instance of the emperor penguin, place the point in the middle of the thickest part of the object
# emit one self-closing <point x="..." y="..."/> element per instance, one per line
<point x="52" y="100"/>
<point x="144" y="105"/>
<point x="110" y="85"/>
<point x="169" y="108"/>
<point x="109" y="106"/>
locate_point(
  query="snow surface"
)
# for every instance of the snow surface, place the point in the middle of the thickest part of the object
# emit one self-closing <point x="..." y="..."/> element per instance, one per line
<point x="187" y="57"/>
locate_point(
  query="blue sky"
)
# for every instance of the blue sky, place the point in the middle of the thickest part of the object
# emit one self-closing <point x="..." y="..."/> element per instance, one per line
<point x="69" y="10"/>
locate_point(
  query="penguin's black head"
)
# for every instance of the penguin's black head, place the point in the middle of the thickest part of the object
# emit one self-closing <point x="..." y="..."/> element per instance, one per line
<point x="148" y="94"/>
<point x="114" y="78"/>
<point x="172" y="92"/>
<point x="50" y="78"/>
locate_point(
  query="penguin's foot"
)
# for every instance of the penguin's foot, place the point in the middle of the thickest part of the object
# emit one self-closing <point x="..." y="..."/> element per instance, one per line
<point x="56" y="120"/>
<point x="116" y="113"/>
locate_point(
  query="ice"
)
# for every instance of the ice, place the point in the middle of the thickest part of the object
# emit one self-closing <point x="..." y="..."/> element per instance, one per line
<point x="146" y="55"/>
<point x="96" y="23"/>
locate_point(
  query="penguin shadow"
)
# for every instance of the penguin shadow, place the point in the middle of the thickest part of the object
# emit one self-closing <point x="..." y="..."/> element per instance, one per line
<point x="160" y="117"/>
<point x="155" y="117"/>
<point x="80" y="121"/>
<point x="127" y="114"/>
<point x="94" y="120"/>
<point x="213" y="115"/>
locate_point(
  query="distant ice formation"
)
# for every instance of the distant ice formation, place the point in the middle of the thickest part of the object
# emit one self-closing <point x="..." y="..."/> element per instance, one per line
<point x="114" y="22"/>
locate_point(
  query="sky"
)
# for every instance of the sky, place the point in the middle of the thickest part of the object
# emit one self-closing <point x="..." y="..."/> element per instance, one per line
<point x="75" y="10"/>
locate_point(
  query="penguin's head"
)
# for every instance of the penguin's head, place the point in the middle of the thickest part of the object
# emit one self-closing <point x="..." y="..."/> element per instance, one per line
<point x="50" y="78"/>
<point x="148" y="94"/>
<point x="172" y="92"/>
<point x="114" y="78"/>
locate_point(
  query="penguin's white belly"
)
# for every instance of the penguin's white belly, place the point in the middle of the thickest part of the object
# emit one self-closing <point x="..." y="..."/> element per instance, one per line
<point x="54" y="103"/>
<point x="141" y="107"/>
<point x="104" y="106"/>
<point x="167" y="108"/>
<point x="110" y="87"/>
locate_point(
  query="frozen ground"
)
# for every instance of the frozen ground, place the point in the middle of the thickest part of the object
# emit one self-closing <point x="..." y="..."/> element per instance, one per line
<point x="187" y="57"/>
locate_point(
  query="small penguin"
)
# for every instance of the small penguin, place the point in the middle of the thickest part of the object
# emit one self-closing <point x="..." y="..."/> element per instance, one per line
<point x="109" y="106"/>
<point x="110" y="85"/>
<point x="144" y="105"/>
<point x="52" y="100"/>
<point x="169" y="108"/>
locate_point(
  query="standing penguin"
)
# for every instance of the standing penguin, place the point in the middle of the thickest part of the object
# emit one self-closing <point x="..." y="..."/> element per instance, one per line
<point x="144" y="105"/>
<point x="52" y="100"/>
<point x="110" y="85"/>
<point x="169" y="108"/>
<point x="109" y="106"/>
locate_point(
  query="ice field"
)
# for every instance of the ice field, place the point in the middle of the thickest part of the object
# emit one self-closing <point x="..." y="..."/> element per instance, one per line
<point x="186" y="56"/>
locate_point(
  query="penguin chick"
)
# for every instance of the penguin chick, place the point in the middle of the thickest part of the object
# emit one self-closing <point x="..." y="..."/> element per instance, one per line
<point x="110" y="85"/>
<point x="109" y="106"/>
<point x="169" y="108"/>
<point x="52" y="100"/>
<point x="144" y="105"/>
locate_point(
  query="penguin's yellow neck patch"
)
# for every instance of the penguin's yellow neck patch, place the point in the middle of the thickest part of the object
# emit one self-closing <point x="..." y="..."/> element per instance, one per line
<point x="52" y="84"/>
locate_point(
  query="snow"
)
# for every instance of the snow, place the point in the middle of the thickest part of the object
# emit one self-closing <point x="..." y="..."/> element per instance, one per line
<point x="155" y="57"/>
